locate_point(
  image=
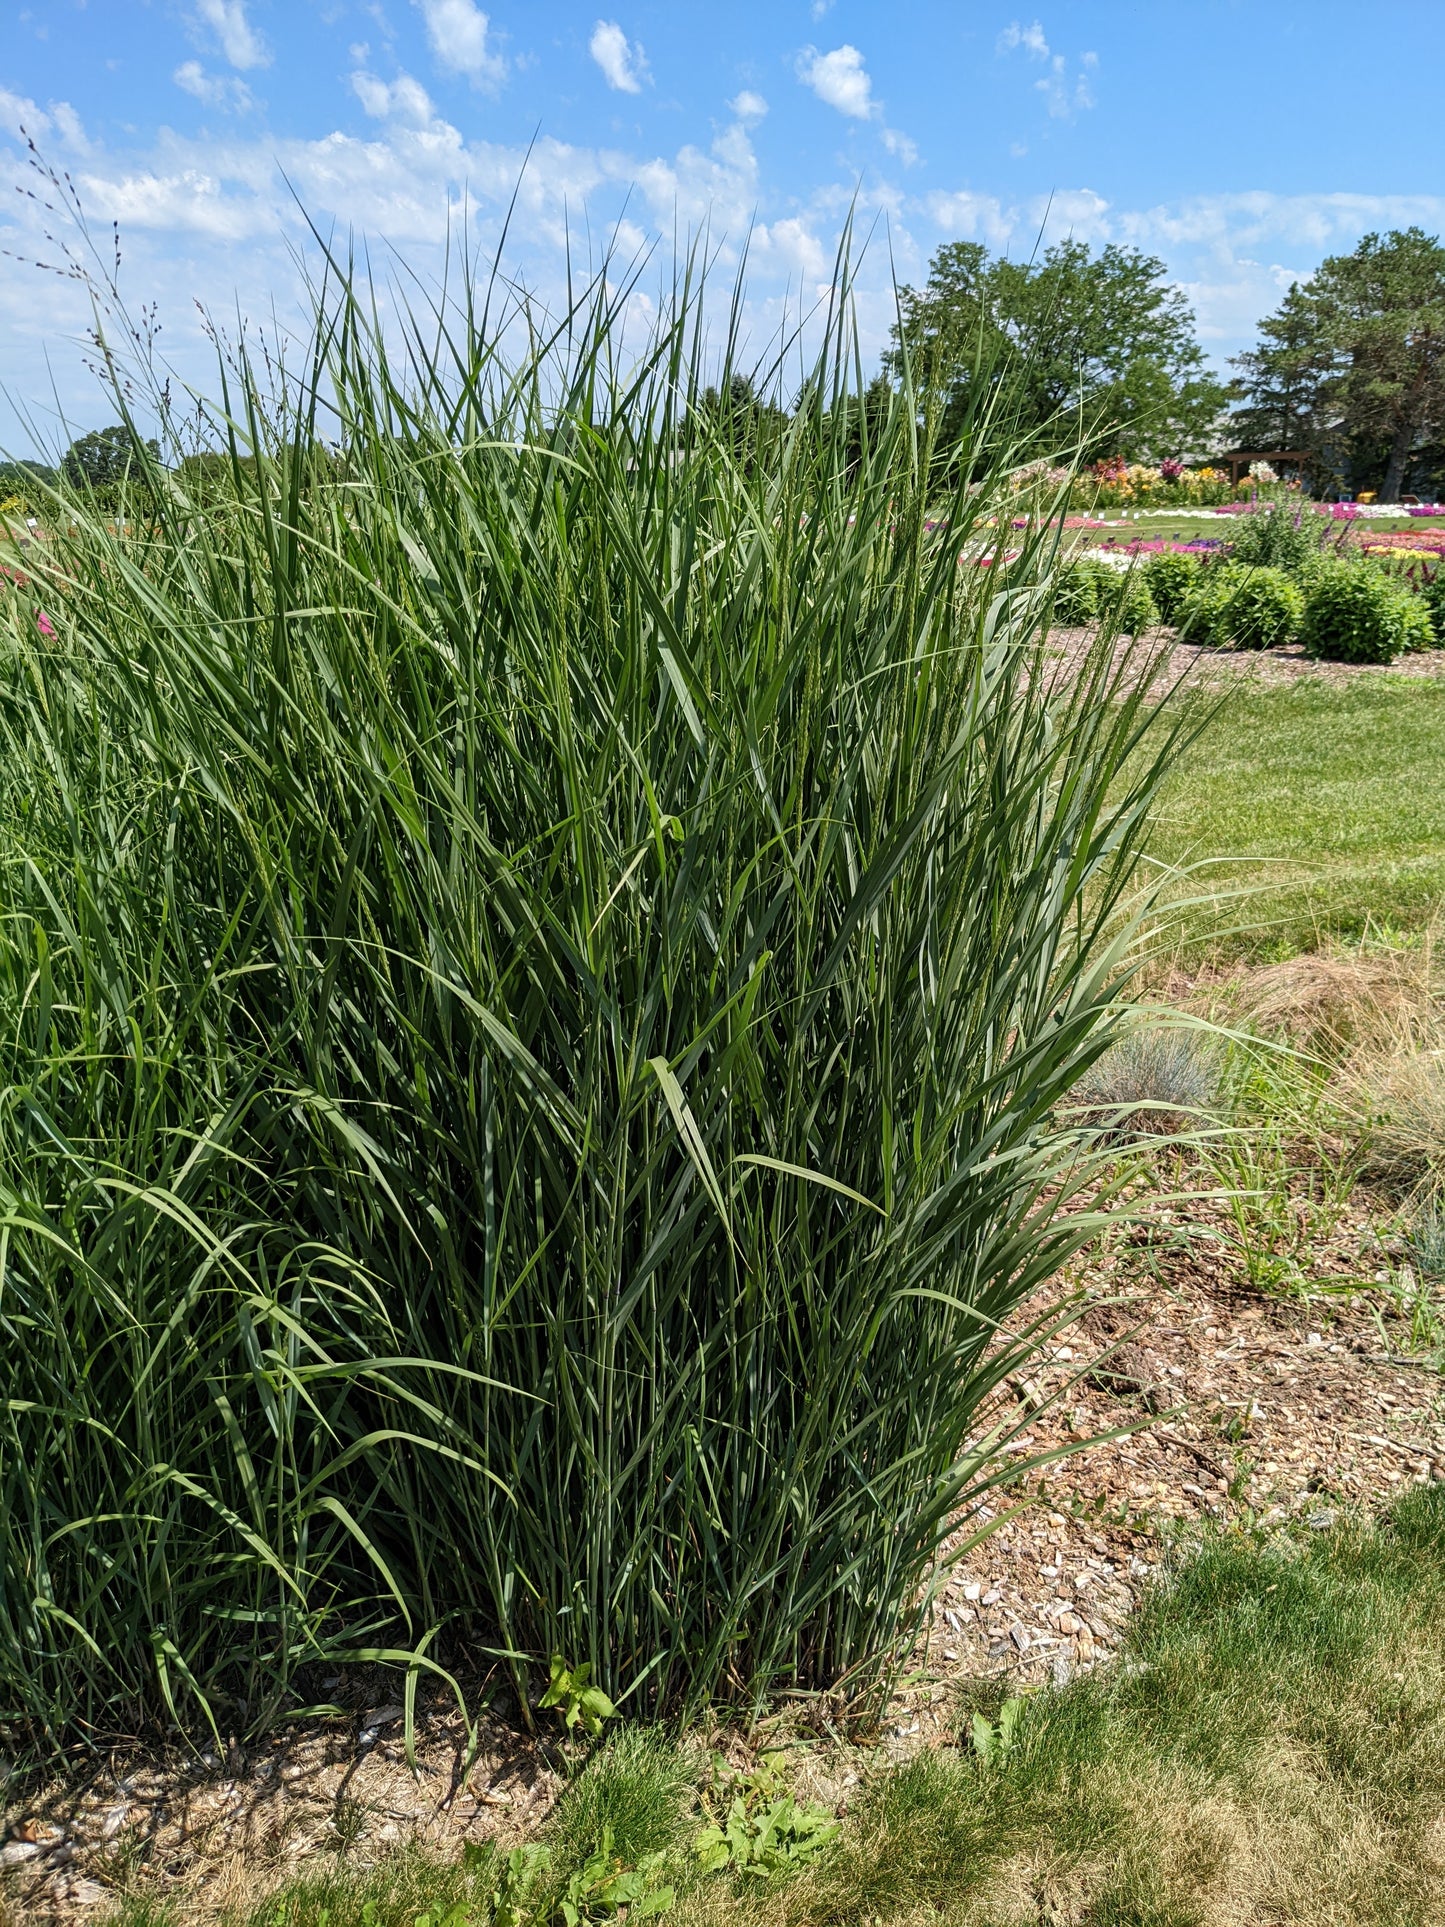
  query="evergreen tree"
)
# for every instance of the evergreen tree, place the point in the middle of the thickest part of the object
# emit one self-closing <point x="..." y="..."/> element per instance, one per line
<point x="1281" y="381"/>
<point x="1352" y="365"/>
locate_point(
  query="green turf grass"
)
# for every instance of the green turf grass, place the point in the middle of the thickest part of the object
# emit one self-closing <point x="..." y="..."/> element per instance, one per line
<point x="1319" y="811"/>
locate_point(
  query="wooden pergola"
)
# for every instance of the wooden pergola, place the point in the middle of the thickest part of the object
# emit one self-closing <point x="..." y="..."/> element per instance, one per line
<point x="1240" y="459"/>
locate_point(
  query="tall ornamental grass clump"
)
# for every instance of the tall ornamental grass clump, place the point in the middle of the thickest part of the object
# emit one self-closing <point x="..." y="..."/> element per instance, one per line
<point x="540" y="947"/>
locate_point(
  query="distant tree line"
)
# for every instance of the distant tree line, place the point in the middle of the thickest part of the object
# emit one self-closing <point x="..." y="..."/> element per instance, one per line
<point x="1349" y="372"/>
<point x="1095" y="348"/>
<point x="1098" y="345"/>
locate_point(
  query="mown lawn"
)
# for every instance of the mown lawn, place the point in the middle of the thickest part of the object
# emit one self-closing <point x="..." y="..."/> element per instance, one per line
<point x="1309" y="811"/>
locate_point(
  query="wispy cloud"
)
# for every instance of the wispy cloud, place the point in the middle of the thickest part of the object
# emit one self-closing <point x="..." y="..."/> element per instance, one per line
<point x="459" y="32"/>
<point x="239" y="41"/>
<point x="623" y="63"/>
<point x="61" y="121"/>
<point x="1066" y="90"/>
<point x="748" y="106"/>
<point x="791" y="245"/>
<point x="213" y="90"/>
<point x="1030" y="38"/>
<point x="402" y="99"/>
<point x="1068" y="93"/>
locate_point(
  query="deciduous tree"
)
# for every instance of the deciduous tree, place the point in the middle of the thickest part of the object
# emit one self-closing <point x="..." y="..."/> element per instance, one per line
<point x="1103" y="339"/>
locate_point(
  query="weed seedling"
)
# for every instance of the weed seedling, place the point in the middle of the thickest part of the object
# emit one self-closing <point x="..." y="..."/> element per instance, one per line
<point x="605" y="1888"/>
<point x="763" y="1830"/>
<point x="993" y="1742"/>
<point x="517" y="1878"/>
<point x="570" y="1692"/>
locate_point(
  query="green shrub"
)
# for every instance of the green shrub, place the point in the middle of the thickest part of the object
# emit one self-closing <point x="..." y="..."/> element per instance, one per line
<point x="1088" y="589"/>
<point x="1257" y="609"/>
<point x="1197" y="613"/>
<point x="538" y="962"/>
<point x="1171" y="575"/>
<point x="1234" y="607"/>
<point x="1277" y="537"/>
<point x="1354" y="613"/>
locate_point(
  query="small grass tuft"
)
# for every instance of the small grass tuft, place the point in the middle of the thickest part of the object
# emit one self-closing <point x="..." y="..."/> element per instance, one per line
<point x="1159" y="1080"/>
<point x="641" y="1786"/>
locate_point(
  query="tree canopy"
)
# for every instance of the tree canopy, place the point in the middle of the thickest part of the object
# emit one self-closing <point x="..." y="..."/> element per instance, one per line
<point x="102" y="458"/>
<point x="1351" y="367"/>
<point x="1100" y="345"/>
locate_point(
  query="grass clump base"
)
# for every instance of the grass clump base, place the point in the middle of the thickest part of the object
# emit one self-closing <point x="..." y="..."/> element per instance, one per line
<point x="1269" y="1745"/>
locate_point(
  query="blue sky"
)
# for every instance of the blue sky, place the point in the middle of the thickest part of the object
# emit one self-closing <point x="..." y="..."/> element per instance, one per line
<point x="1240" y="142"/>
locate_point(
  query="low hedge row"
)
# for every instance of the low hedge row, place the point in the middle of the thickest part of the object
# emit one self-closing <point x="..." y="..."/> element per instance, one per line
<point x="1343" y="609"/>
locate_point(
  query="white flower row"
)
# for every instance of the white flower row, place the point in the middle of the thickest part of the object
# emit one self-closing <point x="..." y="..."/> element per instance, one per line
<point x="1362" y="510"/>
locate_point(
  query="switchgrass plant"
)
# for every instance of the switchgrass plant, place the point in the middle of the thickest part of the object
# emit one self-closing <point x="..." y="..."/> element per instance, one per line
<point x="539" y="955"/>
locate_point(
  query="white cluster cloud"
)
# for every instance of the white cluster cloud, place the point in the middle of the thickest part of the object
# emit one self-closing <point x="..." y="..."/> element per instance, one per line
<point x="216" y="218"/>
<point x="458" y="32"/>
<point x="839" y="79"/>
<point x="402" y="99"/>
<point x="623" y="63"/>
<point x="1233" y="254"/>
<point x="61" y="120"/>
<point x="792" y="245"/>
<point x="240" y="42"/>
<point x="1030" y="38"/>
<point x="842" y="81"/>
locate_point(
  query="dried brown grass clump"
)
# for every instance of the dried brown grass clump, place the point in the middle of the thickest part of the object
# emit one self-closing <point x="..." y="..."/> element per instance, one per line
<point x="1332" y="1003"/>
<point x="1398" y="1099"/>
<point x="1377" y="1020"/>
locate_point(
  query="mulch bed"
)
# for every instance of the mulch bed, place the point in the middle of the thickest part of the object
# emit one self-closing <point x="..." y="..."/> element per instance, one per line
<point x="1196" y="665"/>
<point x="1246" y="1411"/>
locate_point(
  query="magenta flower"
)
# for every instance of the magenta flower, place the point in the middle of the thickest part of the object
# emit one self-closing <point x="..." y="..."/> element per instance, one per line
<point x="43" y="623"/>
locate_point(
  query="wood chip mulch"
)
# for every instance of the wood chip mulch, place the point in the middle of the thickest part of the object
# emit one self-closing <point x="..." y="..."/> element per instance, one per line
<point x="1250" y="1410"/>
